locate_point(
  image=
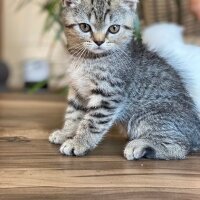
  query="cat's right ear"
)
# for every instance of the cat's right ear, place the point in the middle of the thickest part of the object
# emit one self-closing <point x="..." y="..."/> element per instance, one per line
<point x="70" y="3"/>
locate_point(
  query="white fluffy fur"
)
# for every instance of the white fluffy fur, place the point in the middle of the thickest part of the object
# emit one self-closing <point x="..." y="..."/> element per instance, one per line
<point x="167" y="40"/>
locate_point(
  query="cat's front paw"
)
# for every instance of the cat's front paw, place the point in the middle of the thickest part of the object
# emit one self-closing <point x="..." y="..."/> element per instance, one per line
<point x="57" y="137"/>
<point x="74" y="148"/>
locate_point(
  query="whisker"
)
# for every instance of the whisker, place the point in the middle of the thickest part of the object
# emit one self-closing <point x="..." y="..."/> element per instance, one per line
<point x="75" y="46"/>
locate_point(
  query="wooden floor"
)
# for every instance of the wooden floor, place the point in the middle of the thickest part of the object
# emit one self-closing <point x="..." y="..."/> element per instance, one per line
<point x="31" y="168"/>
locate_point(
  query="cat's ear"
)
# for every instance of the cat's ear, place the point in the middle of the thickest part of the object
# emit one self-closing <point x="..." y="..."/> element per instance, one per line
<point x="132" y="4"/>
<point x="70" y="3"/>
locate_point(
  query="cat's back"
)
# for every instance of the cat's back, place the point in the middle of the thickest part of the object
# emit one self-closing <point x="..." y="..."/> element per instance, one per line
<point x="155" y="81"/>
<point x="150" y="66"/>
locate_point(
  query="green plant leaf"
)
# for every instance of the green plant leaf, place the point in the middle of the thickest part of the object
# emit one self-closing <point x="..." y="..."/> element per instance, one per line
<point x="37" y="86"/>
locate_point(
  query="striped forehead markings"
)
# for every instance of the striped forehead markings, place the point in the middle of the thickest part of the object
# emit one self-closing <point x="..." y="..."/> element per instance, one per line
<point x="106" y="13"/>
<point x="108" y="2"/>
<point x="100" y="9"/>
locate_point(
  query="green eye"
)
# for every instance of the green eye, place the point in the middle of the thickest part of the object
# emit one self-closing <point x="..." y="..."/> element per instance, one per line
<point x="114" y="29"/>
<point x="85" y="27"/>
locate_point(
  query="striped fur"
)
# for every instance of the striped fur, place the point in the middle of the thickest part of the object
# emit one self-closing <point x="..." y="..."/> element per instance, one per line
<point x="121" y="82"/>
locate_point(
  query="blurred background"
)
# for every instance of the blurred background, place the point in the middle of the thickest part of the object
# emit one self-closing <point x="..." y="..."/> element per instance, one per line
<point x="32" y="46"/>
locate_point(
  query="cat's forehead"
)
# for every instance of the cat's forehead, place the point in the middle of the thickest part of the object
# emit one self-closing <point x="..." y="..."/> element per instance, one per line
<point x="99" y="11"/>
<point x="100" y="8"/>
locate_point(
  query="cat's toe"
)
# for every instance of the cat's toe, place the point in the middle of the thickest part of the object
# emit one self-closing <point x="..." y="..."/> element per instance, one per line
<point x="57" y="137"/>
<point x="73" y="148"/>
<point x="134" y="153"/>
<point x="136" y="150"/>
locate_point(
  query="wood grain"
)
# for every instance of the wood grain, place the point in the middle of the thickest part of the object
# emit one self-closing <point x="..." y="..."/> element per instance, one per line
<point x="32" y="168"/>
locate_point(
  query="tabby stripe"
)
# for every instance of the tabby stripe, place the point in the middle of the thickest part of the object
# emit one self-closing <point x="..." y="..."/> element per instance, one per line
<point x="103" y="122"/>
<point x="96" y="132"/>
<point x="115" y="100"/>
<point x="94" y="82"/>
<point x="113" y="84"/>
<point x="94" y="11"/>
<point x="101" y="78"/>
<point x="93" y="108"/>
<point x="107" y="78"/>
<point x="100" y="115"/>
<point x="128" y="27"/>
<point x="71" y="25"/>
<point x="105" y="103"/>
<point x="106" y="13"/>
<point x="101" y="92"/>
<point x="107" y="106"/>
<point x="101" y="107"/>
<point x="76" y="106"/>
<point x="90" y="14"/>
<point x="92" y="126"/>
<point x="91" y="121"/>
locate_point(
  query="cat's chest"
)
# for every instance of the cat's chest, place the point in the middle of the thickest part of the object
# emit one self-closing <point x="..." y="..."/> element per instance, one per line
<point x="79" y="80"/>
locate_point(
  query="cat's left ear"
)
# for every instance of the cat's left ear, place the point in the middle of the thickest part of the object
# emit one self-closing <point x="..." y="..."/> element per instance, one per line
<point x="70" y="3"/>
<point x="131" y="4"/>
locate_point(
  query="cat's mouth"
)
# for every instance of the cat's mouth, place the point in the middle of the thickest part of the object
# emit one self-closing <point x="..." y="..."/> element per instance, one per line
<point x="98" y="50"/>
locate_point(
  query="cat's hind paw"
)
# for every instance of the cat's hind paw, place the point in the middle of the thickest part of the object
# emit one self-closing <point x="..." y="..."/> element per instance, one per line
<point x="138" y="149"/>
<point x="145" y="148"/>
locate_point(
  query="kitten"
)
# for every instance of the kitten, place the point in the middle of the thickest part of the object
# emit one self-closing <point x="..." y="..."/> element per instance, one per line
<point x="115" y="80"/>
<point x="183" y="57"/>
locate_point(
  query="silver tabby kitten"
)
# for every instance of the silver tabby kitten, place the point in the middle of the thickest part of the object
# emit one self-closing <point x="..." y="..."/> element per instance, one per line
<point x="115" y="80"/>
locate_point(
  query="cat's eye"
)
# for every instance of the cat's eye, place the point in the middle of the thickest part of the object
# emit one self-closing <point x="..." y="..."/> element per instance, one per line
<point x="114" y="29"/>
<point x="85" y="27"/>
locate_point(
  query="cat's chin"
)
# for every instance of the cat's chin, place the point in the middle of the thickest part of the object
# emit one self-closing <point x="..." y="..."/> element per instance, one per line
<point x="90" y="53"/>
<point x="99" y="51"/>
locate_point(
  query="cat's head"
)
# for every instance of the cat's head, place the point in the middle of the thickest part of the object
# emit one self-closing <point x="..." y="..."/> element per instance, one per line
<point x="98" y="26"/>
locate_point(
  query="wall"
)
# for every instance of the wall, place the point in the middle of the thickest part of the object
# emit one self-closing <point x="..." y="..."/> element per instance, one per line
<point x="1" y="8"/>
<point x="23" y="39"/>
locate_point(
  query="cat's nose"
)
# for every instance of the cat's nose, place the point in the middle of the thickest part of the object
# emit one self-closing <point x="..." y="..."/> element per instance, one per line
<point x="99" y="42"/>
